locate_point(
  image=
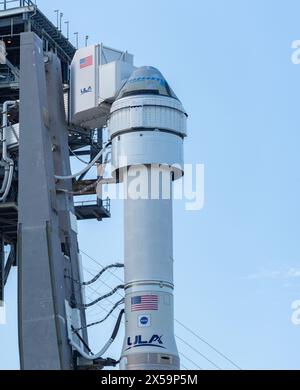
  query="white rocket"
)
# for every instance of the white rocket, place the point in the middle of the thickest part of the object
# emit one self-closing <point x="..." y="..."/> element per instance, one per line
<point x="147" y="128"/>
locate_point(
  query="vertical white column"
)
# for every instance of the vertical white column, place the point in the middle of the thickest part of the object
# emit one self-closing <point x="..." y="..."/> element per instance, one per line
<point x="148" y="232"/>
<point x="148" y="229"/>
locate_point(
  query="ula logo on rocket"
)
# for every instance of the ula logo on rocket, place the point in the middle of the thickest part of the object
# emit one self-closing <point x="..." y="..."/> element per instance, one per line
<point x="155" y="341"/>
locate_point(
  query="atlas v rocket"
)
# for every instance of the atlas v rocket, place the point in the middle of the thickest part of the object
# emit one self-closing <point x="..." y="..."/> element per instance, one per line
<point x="147" y="126"/>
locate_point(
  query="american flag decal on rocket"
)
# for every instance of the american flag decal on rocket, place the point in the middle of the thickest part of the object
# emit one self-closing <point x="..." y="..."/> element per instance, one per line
<point x="144" y="303"/>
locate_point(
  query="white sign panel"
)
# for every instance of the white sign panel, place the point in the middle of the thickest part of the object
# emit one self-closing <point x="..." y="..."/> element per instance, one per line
<point x="97" y="73"/>
<point x="83" y="75"/>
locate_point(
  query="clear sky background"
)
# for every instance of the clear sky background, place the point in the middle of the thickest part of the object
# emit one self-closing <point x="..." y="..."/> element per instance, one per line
<point x="238" y="260"/>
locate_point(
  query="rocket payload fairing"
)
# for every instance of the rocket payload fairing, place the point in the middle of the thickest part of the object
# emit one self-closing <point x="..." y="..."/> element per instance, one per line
<point x="147" y="129"/>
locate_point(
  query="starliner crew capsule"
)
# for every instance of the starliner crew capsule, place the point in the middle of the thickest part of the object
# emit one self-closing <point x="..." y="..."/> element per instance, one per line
<point x="147" y="127"/>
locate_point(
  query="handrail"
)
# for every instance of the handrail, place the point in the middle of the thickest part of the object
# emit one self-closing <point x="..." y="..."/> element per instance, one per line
<point x="15" y="4"/>
<point x="10" y="4"/>
<point x="105" y="203"/>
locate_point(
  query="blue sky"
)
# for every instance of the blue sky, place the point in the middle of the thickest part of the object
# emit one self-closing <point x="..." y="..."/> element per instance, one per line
<point x="238" y="260"/>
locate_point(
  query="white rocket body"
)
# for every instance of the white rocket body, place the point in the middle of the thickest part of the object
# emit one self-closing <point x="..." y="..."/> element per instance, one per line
<point x="147" y="129"/>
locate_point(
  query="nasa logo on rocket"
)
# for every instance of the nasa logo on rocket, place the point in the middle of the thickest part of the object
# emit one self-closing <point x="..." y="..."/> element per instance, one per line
<point x="144" y="321"/>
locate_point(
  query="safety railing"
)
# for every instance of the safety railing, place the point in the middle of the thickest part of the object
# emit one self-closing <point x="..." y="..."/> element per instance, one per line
<point x="6" y="76"/>
<point x="9" y="4"/>
<point x="105" y="203"/>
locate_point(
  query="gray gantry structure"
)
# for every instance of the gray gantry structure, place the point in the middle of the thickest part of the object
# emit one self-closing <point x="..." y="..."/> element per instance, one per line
<point x="37" y="212"/>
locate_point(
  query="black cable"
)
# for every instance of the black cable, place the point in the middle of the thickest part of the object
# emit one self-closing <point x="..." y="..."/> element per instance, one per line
<point x="117" y="265"/>
<point x="208" y="344"/>
<point x="199" y="353"/>
<point x="98" y="276"/>
<point x="104" y="319"/>
<point x="112" y="337"/>
<point x="190" y="360"/>
<point x="86" y="306"/>
<point x="101" y="265"/>
<point x="97" y="292"/>
<point x="78" y="158"/>
<point x="180" y="323"/>
<point x="117" y="327"/>
<point x="76" y="331"/>
<point x="116" y="330"/>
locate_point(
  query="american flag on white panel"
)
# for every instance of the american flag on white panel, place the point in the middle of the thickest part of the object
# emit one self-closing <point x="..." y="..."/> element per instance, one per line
<point x="144" y="303"/>
<point x="86" y="62"/>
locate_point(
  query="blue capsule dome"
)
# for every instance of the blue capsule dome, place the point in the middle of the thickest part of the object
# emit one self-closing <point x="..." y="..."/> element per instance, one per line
<point x="146" y="81"/>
